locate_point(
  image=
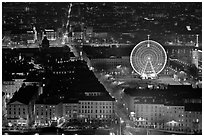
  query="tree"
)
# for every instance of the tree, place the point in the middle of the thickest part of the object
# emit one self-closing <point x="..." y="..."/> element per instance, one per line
<point x="45" y="42"/>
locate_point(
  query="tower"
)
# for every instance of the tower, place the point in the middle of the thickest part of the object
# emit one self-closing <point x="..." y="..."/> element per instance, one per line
<point x="35" y="34"/>
<point x="197" y="41"/>
<point x="195" y="53"/>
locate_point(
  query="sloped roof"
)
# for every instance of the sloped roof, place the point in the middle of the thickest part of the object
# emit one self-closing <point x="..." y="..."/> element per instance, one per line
<point x="25" y="94"/>
<point x="16" y="103"/>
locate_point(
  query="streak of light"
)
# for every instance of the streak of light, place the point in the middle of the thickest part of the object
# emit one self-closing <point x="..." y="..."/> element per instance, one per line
<point x="68" y="15"/>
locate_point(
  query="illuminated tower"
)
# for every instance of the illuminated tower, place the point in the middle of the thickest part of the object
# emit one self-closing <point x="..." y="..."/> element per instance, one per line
<point x="197" y="41"/>
<point x="195" y="53"/>
<point x="81" y="55"/>
<point x="20" y="57"/>
<point x="35" y="34"/>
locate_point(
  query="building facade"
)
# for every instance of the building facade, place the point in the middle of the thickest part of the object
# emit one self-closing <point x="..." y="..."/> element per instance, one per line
<point x="157" y="111"/>
<point x="148" y="115"/>
<point x="70" y="110"/>
<point x="17" y="114"/>
<point x="46" y="113"/>
<point x="20" y="109"/>
<point x="174" y="117"/>
<point x="94" y="111"/>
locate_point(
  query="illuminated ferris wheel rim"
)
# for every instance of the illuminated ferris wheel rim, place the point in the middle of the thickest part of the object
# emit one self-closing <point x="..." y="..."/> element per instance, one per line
<point x="148" y="41"/>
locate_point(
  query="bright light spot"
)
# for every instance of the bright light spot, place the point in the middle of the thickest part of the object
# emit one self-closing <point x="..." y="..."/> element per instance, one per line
<point x="188" y="28"/>
<point x="119" y="66"/>
<point x="9" y="124"/>
<point x="8" y="96"/>
<point x="91" y="68"/>
<point x="121" y="121"/>
<point x="55" y="118"/>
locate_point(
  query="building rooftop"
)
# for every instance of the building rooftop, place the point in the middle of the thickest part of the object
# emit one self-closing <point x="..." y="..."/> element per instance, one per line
<point x="47" y="101"/>
<point x="180" y="87"/>
<point x="25" y="94"/>
<point x="144" y="92"/>
<point x="193" y="107"/>
<point x="97" y="98"/>
<point x="172" y="96"/>
<point x="20" y="31"/>
<point x="70" y="101"/>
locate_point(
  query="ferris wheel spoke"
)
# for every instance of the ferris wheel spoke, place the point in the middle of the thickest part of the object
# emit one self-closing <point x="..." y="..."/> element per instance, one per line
<point x="143" y="71"/>
<point x="152" y="68"/>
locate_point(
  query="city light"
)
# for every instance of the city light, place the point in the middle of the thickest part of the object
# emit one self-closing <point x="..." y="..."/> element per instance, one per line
<point x="101" y="68"/>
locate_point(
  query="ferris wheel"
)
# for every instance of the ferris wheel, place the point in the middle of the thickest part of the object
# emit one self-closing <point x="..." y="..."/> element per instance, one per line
<point x="148" y="58"/>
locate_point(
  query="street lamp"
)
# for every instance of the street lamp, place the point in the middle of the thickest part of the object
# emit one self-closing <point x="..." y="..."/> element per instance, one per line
<point x="121" y="121"/>
<point x="195" y="125"/>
